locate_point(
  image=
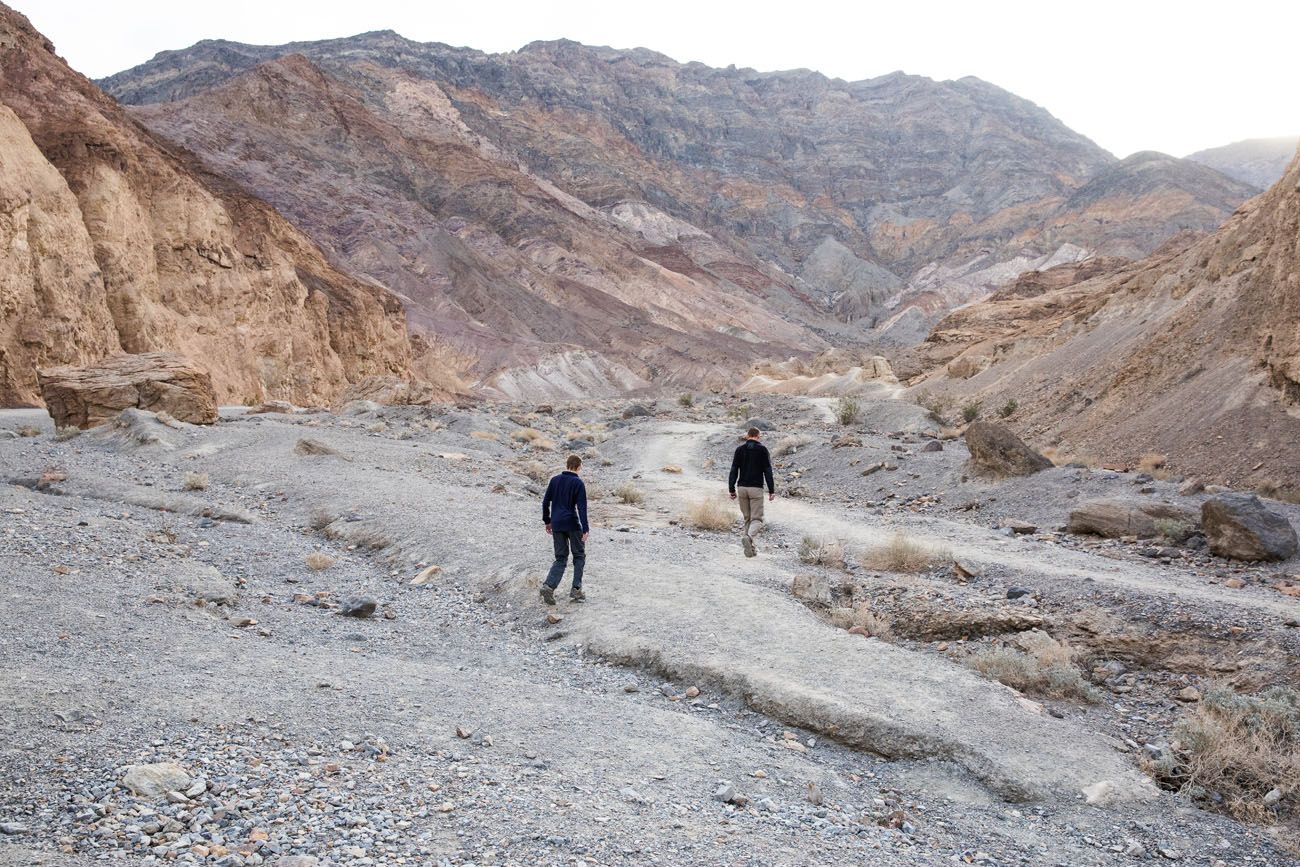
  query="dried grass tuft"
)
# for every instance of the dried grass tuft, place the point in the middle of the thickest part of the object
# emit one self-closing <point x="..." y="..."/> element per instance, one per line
<point x="905" y="554"/>
<point x="822" y="552"/>
<point x="630" y="494"/>
<point x="1045" y="666"/>
<point x="710" y="513"/>
<point x="319" y="561"/>
<point x="195" y="482"/>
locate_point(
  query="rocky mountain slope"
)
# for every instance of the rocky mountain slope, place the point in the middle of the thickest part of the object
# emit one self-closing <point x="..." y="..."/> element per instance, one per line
<point x="1255" y="161"/>
<point x="1191" y="353"/>
<point x="535" y="292"/>
<point x="836" y="205"/>
<point x="113" y="242"/>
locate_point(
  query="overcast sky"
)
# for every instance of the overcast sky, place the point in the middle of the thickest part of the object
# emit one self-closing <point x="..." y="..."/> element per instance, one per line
<point x="1135" y="75"/>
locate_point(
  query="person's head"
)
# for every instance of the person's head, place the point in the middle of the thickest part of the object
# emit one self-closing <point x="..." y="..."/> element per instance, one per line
<point x="752" y="434"/>
<point x="573" y="464"/>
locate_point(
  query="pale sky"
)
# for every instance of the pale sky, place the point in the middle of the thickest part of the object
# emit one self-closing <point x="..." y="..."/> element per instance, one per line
<point x="1136" y="75"/>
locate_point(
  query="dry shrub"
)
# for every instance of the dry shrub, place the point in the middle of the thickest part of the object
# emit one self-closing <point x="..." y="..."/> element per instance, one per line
<point x="686" y="399"/>
<point x="195" y="482"/>
<point x="710" y="513"/>
<point x="936" y="405"/>
<point x="1273" y="491"/>
<point x="542" y="444"/>
<point x="484" y="435"/>
<point x="822" y="552"/>
<point x="950" y="433"/>
<point x="536" y="471"/>
<point x="630" y="494"/>
<point x="64" y="434"/>
<point x="847" y="411"/>
<point x="1045" y="666"/>
<point x="904" y="554"/>
<point x="873" y="624"/>
<point x="789" y="445"/>
<point x="1239" y="748"/>
<point x="1151" y="461"/>
<point x="319" y="561"/>
<point x="1174" y="530"/>
<point x="27" y="430"/>
<point x="1062" y="458"/>
<point x="320" y="518"/>
<point x="526" y="435"/>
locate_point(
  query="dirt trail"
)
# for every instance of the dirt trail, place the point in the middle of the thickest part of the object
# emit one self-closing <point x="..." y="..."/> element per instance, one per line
<point x="681" y="444"/>
<point x="715" y="616"/>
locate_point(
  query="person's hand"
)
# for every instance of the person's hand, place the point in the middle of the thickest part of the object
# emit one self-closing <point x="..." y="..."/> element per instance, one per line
<point x="771" y="496"/>
<point x="733" y="495"/>
<point x="548" y="529"/>
<point x="584" y="536"/>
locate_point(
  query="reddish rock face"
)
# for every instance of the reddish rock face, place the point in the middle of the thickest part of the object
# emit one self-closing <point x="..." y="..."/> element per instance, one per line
<point x="110" y="241"/>
<point x="159" y="382"/>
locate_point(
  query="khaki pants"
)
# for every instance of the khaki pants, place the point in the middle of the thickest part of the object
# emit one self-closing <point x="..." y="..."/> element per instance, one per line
<point x="751" y="510"/>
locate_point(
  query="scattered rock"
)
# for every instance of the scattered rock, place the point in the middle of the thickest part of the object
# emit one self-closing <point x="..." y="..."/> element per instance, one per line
<point x="637" y="410"/>
<point x="12" y="828"/>
<point x="692" y="692"/>
<point x="1023" y="528"/>
<point x="1116" y="518"/>
<point x="815" y="589"/>
<point x="1189" y="693"/>
<point x="965" y="569"/>
<point x="358" y="606"/>
<point x="297" y="861"/>
<point x="1098" y="793"/>
<point x="156" y="780"/>
<point x="673" y="468"/>
<point x="760" y="423"/>
<point x="280" y="406"/>
<point x="1017" y="592"/>
<point x="1240" y="527"/>
<point x="426" y="576"/>
<point x="308" y="447"/>
<point x="932" y="446"/>
<point x="84" y="397"/>
<point x="1191" y="488"/>
<point x="464" y="733"/>
<point x="1272" y="797"/>
<point x="996" y="451"/>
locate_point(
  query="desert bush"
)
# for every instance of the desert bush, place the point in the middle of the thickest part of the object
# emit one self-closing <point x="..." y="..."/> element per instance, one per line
<point x="822" y="552"/>
<point x="686" y="399"/>
<point x="710" y="513"/>
<point x="1240" y="748"/>
<point x="789" y="445"/>
<point x="526" y="435"/>
<point x="1174" y="530"/>
<point x="1008" y="408"/>
<point x="1046" y="667"/>
<point x="195" y="482"/>
<point x="742" y="412"/>
<point x="949" y="433"/>
<point x="484" y="435"/>
<point x="847" y="410"/>
<point x="64" y="434"/>
<point x="971" y="411"/>
<point x="27" y="430"/>
<point x="535" y="470"/>
<point x="873" y="624"/>
<point x="904" y="554"/>
<point x="934" y="404"/>
<point x="1151" y="461"/>
<point x="319" y="561"/>
<point x="630" y="494"/>
<point x="320" y="518"/>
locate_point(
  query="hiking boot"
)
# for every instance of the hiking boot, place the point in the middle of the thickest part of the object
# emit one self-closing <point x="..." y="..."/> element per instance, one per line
<point x="548" y="595"/>
<point x="576" y="595"/>
<point x="748" y="544"/>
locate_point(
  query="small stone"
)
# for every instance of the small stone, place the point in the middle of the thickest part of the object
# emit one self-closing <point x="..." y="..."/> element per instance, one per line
<point x="632" y="795"/>
<point x="358" y="606"/>
<point x="297" y="861"/>
<point x="553" y="618"/>
<point x="1098" y="792"/>
<point x="932" y="446"/>
<point x="1017" y="592"/>
<point x="1189" y="693"/>
<point x="12" y="828"/>
<point x="156" y="780"/>
<point x="724" y="793"/>
<point x="631" y="686"/>
<point x="426" y="576"/>
<point x="668" y="689"/>
<point x="464" y="733"/>
<point x="1234" y="583"/>
<point x="692" y="692"/>
<point x="673" y="469"/>
<point x="1023" y="528"/>
<point x="1274" y="795"/>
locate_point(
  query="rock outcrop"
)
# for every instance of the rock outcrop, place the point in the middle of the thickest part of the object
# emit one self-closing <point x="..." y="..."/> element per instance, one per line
<point x="829" y="203"/>
<point x="1115" y="518"/>
<point x="1192" y="353"/>
<point x="84" y="397"/>
<point x="995" y="451"/>
<point x="112" y="241"/>
<point x="1240" y="527"/>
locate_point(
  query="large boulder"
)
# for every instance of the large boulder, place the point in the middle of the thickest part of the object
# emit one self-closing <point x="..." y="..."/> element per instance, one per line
<point x="156" y="381"/>
<point x="1113" y="518"/>
<point x="390" y="391"/>
<point x="996" y="451"/>
<point x="1240" y="527"/>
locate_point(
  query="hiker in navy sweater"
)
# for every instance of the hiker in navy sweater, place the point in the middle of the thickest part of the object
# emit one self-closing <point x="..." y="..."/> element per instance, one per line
<point x="751" y="466"/>
<point x="564" y="512"/>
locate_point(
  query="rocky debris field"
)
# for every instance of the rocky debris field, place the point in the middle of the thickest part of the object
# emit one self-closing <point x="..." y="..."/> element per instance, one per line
<point x="302" y="638"/>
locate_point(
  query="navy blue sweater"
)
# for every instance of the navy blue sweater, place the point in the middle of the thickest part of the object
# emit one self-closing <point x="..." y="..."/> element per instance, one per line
<point x="565" y="505"/>
<point x="750" y="467"/>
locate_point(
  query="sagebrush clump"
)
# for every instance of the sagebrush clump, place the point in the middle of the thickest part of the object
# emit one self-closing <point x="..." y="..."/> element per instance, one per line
<point x="319" y="561"/>
<point x="1045" y="666"/>
<point x="847" y="411"/>
<point x="822" y="552"/>
<point x="905" y="554"/>
<point x="630" y="494"/>
<point x="709" y="513"/>
<point x="1240" y="753"/>
<point x="195" y="482"/>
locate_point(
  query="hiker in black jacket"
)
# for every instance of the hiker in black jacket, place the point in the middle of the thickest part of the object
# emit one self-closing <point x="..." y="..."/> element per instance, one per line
<point x="564" y="512"/>
<point x="750" y="467"/>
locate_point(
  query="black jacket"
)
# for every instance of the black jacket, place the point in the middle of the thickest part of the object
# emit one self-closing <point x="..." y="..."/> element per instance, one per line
<point x="750" y="467"/>
<point x="565" y="505"/>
